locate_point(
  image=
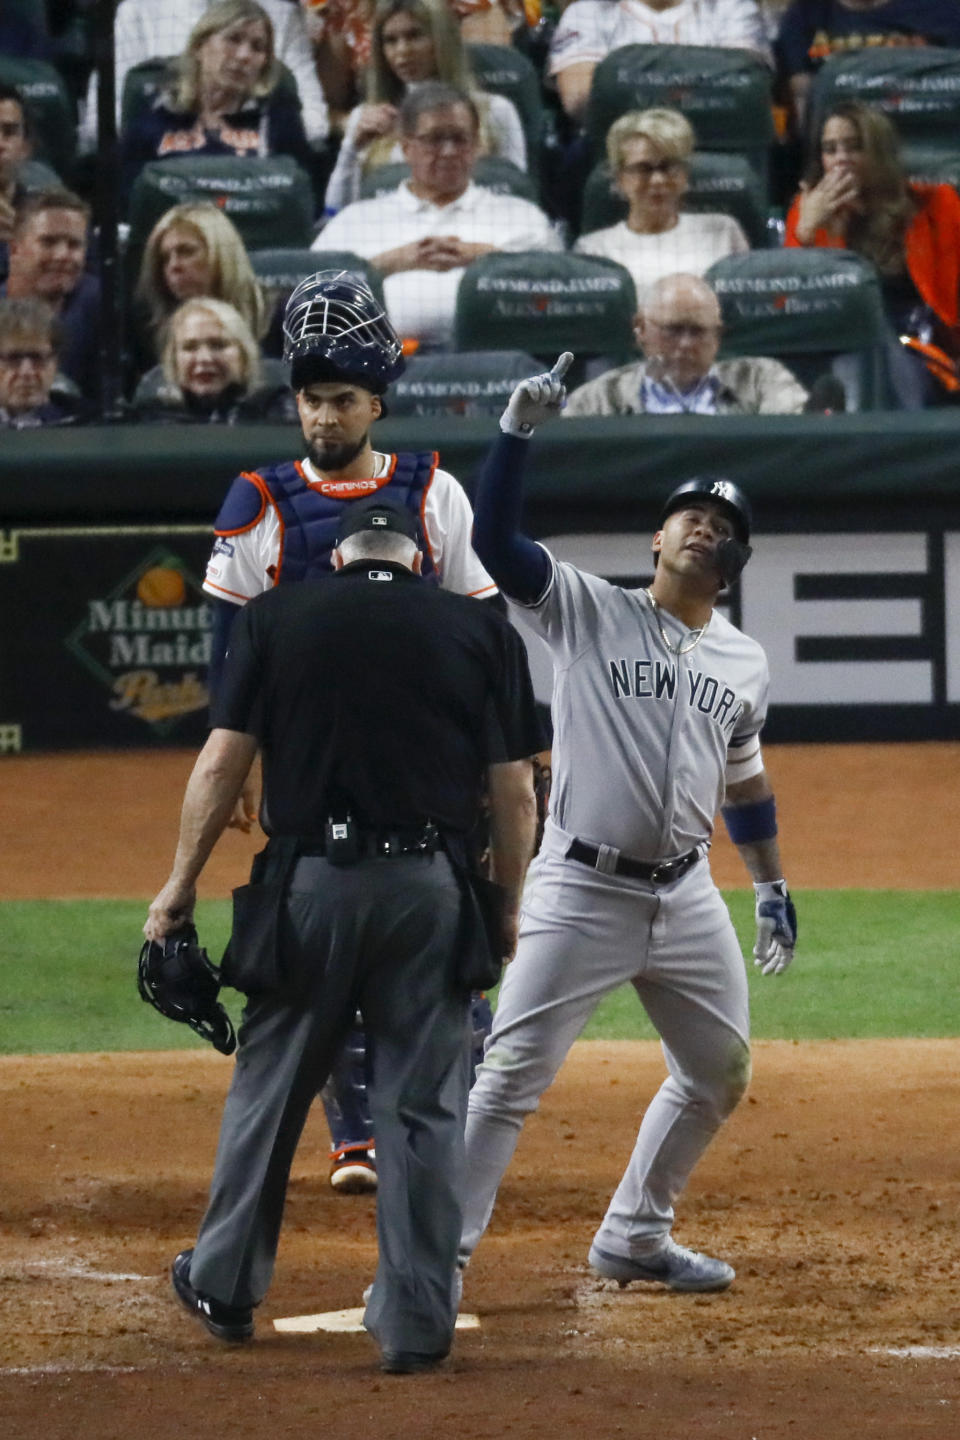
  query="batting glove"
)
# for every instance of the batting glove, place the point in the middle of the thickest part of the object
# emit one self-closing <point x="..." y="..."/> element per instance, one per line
<point x="776" y="927"/>
<point x="537" y="399"/>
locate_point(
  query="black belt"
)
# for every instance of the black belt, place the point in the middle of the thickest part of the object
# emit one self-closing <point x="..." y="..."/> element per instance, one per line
<point x="659" y="872"/>
<point x="396" y="840"/>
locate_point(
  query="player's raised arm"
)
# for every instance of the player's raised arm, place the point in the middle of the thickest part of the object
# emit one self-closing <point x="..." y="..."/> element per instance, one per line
<point x="519" y="566"/>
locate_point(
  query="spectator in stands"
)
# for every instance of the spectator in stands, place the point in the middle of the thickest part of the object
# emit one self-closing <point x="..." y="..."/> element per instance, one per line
<point x="590" y="29"/>
<point x="15" y="149"/>
<point x="413" y="41"/>
<point x="30" y="337"/>
<point x="339" y="31"/>
<point x="193" y="250"/>
<point x="813" y="30"/>
<point x="678" y="329"/>
<point x="422" y="235"/>
<point x="211" y="371"/>
<point x="224" y="99"/>
<point x="649" y="154"/>
<point x="856" y="196"/>
<point x="154" y="29"/>
<point x="47" y="250"/>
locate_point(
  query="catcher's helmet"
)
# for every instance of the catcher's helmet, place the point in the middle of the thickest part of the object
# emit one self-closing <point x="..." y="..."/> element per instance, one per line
<point x="722" y="493"/>
<point x="334" y="328"/>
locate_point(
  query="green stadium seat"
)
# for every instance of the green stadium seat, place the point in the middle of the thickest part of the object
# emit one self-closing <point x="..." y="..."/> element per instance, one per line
<point x="808" y="308"/>
<point x="933" y="164"/>
<point x="725" y="94"/>
<point x="544" y="304"/>
<point x="726" y="183"/>
<point x="918" y="89"/>
<point x="473" y="382"/>
<point x="490" y="170"/>
<point x="281" y="270"/>
<point x="51" y="110"/>
<point x="501" y="70"/>
<point x="269" y="198"/>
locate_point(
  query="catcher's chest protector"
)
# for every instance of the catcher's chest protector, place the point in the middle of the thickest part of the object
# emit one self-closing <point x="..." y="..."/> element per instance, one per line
<point x="311" y="519"/>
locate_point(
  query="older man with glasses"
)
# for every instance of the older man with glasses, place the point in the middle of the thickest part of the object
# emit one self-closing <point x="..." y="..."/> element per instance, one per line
<point x="422" y="235"/>
<point x="678" y="330"/>
<point x="29" y="347"/>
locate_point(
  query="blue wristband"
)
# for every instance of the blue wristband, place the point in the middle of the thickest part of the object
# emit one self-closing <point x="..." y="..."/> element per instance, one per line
<point x="748" y="824"/>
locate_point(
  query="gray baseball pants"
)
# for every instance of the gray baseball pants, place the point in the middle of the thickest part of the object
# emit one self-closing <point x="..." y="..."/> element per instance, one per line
<point x="379" y="935"/>
<point x="582" y="935"/>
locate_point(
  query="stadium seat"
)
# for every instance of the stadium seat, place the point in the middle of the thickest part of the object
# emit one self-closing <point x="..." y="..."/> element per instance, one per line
<point x="501" y="70"/>
<point x="269" y="199"/>
<point x="917" y="88"/>
<point x="490" y="170"/>
<point x="281" y="270"/>
<point x="545" y="304"/>
<point x="933" y="164"/>
<point x="816" y="310"/>
<point x="725" y="94"/>
<point x="472" y="382"/>
<point x="51" y="111"/>
<point x="727" y="183"/>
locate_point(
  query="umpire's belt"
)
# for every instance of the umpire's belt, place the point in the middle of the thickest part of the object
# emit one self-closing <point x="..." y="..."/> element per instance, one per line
<point x="397" y="840"/>
<point x="610" y="862"/>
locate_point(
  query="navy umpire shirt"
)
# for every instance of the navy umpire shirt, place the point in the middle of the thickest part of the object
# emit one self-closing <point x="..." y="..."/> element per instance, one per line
<point x="374" y="689"/>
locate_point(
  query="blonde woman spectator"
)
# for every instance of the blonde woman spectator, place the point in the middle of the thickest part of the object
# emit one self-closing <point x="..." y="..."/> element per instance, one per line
<point x="414" y="41"/>
<point x="649" y="153"/>
<point x="224" y="98"/>
<point x="590" y="29"/>
<point x="193" y="250"/>
<point x="211" y="371"/>
<point x="155" y="29"/>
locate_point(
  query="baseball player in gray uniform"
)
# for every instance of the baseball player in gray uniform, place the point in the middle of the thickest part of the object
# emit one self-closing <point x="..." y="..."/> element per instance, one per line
<point x="658" y="703"/>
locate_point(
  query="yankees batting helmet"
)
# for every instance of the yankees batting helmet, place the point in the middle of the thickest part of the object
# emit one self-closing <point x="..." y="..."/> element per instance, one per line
<point x="334" y="328"/>
<point x="722" y="493"/>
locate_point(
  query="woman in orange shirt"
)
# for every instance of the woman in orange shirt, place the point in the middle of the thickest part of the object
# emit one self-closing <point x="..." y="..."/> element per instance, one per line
<point x="856" y="196"/>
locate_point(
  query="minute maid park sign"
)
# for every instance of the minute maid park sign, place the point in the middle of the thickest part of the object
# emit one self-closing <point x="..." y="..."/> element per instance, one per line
<point x="149" y="640"/>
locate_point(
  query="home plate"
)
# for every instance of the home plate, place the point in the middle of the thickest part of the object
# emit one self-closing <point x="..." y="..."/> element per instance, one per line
<point x="346" y="1322"/>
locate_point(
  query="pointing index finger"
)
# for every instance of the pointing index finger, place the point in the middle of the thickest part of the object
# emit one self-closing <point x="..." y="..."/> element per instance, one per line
<point x="563" y="364"/>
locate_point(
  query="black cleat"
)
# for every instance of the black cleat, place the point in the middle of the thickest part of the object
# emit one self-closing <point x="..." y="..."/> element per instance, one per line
<point x="410" y="1362"/>
<point x="231" y="1323"/>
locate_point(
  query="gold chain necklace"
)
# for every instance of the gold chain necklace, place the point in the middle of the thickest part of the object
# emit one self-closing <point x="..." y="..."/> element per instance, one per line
<point x="695" y="635"/>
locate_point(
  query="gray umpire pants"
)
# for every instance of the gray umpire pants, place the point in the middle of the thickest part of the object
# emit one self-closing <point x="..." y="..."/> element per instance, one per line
<point x="380" y="936"/>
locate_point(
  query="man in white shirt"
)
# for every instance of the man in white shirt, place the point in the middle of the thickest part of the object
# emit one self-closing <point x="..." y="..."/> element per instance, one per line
<point x="590" y="29"/>
<point x="679" y="331"/>
<point x="422" y="235"/>
<point x="149" y="30"/>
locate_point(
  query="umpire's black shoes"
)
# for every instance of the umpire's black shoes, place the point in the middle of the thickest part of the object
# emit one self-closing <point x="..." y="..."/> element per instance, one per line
<point x="232" y="1323"/>
<point x="410" y="1362"/>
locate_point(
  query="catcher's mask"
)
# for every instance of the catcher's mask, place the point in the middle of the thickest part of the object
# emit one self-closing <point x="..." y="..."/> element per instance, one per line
<point x="179" y="980"/>
<point x="335" y="329"/>
<point x="732" y="554"/>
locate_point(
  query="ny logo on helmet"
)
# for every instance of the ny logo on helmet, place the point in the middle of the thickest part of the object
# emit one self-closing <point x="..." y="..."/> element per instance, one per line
<point x="724" y="489"/>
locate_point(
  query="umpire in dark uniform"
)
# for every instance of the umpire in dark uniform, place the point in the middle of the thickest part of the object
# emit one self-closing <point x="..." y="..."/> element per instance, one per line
<point x="383" y="707"/>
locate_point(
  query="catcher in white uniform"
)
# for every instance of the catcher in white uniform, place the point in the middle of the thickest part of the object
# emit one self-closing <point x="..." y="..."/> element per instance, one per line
<point x="658" y="703"/>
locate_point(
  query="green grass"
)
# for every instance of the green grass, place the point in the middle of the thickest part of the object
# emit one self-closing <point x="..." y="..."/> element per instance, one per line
<point x="871" y="963"/>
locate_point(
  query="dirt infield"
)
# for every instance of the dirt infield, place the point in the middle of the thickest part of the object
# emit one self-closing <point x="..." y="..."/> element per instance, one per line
<point x="834" y="1191"/>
